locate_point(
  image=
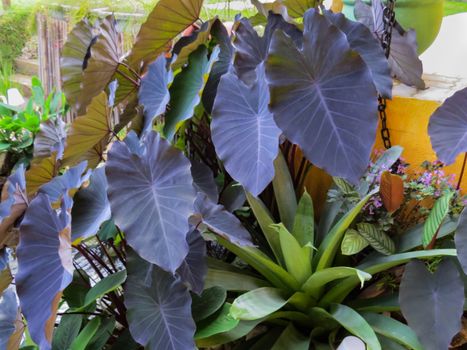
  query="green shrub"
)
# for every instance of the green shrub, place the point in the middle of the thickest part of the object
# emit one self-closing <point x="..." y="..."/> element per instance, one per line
<point x="14" y="32"/>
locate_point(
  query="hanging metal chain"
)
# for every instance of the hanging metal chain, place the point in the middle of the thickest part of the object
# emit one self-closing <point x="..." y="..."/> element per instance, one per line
<point x="389" y="20"/>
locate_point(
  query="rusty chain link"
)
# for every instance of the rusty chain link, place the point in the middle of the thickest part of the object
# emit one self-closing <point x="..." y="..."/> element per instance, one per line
<point x="389" y="20"/>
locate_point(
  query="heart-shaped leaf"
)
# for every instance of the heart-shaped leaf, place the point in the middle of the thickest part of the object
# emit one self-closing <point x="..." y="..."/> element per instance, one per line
<point x="392" y="191"/>
<point x="323" y="97"/>
<point x="164" y="23"/>
<point x="461" y="240"/>
<point x="158" y="308"/>
<point x="297" y="8"/>
<point x="51" y="134"/>
<point x="221" y="66"/>
<point x="74" y="59"/>
<point x="154" y="92"/>
<point x="194" y="268"/>
<point x="436" y="218"/>
<point x="42" y="172"/>
<point x="379" y="240"/>
<point x="244" y="133"/>
<point x="154" y="177"/>
<point x="251" y="49"/>
<point x="186" y="88"/>
<point x="403" y="58"/>
<point x="44" y="265"/>
<point x="204" y="181"/>
<point x="88" y="130"/>
<point x="432" y="304"/>
<point x="221" y="222"/>
<point x="448" y="128"/>
<point x="14" y="201"/>
<point x="362" y="40"/>
<point x="103" y="63"/>
<point x="91" y="207"/>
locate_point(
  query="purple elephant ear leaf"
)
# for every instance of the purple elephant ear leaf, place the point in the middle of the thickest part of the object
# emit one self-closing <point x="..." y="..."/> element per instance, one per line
<point x="244" y="133"/>
<point x="203" y="180"/>
<point x="52" y="132"/>
<point x="251" y="49"/>
<point x="194" y="269"/>
<point x="154" y="177"/>
<point x="362" y="40"/>
<point x="14" y="201"/>
<point x="44" y="265"/>
<point x="8" y="316"/>
<point x="461" y="240"/>
<point x="403" y="58"/>
<point x="448" y="128"/>
<point x="154" y="92"/>
<point x="72" y="179"/>
<point x="91" y="207"/>
<point x="432" y="304"/>
<point x="223" y="223"/>
<point x="158" y="308"/>
<point x="323" y="97"/>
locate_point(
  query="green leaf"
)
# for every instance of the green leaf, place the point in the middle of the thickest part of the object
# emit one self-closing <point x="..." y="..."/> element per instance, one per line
<point x="320" y="278"/>
<point x="164" y="23"/>
<point x="393" y="329"/>
<point x="353" y="242"/>
<point x="221" y="322"/>
<point x="66" y="332"/>
<point x="102" y="335"/>
<point x="266" y="221"/>
<point x="297" y="258"/>
<point x="384" y="303"/>
<point x="75" y="293"/>
<point x="304" y="222"/>
<point x="355" y="324"/>
<point x="207" y="303"/>
<point x="186" y="89"/>
<point x="258" y="303"/>
<point x="379" y="240"/>
<point x="265" y="266"/>
<point x="328" y="248"/>
<point x="436" y="217"/>
<point x="233" y="281"/>
<point x="284" y="192"/>
<point x="291" y="339"/>
<point x="4" y="146"/>
<point x="242" y="329"/>
<point x="344" y="186"/>
<point x="107" y="231"/>
<point x="104" y="286"/>
<point x="297" y="8"/>
<point x="85" y="336"/>
<point x="379" y="264"/>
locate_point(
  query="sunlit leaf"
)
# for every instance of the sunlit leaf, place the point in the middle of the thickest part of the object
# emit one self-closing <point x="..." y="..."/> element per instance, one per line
<point x="164" y="23"/>
<point x="44" y="265"/>
<point x="91" y="207"/>
<point x="88" y="130"/>
<point x="391" y="191"/>
<point x="154" y="177"/>
<point x="52" y="132"/>
<point x="244" y="133"/>
<point x="74" y="56"/>
<point x="436" y="218"/>
<point x="186" y="89"/>
<point x="305" y="86"/>
<point x="154" y="91"/>
<point x="297" y="8"/>
<point x="361" y="40"/>
<point x="432" y="304"/>
<point x="258" y="303"/>
<point x="194" y="268"/>
<point x="377" y="238"/>
<point x="103" y="63"/>
<point x="448" y="128"/>
<point x="158" y="309"/>
<point x="304" y="223"/>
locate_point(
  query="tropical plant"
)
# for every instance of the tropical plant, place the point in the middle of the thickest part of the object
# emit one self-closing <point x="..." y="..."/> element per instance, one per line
<point x="112" y="220"/>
